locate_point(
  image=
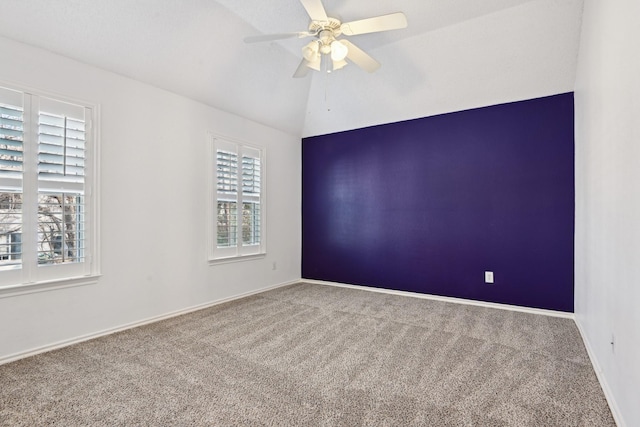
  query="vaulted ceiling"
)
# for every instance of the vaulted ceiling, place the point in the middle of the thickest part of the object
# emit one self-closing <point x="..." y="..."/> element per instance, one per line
<point x="454" y="55"/>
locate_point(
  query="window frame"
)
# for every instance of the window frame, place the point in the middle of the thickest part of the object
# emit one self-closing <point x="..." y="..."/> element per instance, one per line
<point x="239" y="251"/>
<point x="30" y="277"/>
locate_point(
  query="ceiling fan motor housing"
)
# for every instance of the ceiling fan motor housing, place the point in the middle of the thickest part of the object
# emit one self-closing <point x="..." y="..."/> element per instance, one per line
<point x="326" y="31"/>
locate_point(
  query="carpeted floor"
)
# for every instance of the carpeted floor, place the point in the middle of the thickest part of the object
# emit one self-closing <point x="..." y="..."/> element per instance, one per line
<point x="313" y="355"/>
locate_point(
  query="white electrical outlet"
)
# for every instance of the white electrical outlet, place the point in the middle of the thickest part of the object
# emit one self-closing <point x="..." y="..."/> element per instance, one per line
<point x="274" y="266"/>
<point x="488" y="277"/>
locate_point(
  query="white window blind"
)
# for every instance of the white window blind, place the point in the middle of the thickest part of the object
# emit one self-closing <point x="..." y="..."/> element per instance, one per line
<point x="239" y="219"/>
<point x="11" y="137"/>
<point x="61" y="148"/>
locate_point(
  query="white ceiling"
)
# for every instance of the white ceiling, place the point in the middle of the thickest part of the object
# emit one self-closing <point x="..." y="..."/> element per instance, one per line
<point x="455" y="54"/>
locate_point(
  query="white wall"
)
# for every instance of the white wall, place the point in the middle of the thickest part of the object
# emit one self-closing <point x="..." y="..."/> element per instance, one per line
<point x="607" y="296"/>
<point x="153" y="206"/>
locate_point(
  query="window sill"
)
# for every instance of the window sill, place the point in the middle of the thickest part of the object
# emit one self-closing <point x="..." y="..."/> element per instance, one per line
<point x="239" y="258"/>
<point x="30" y="288"/>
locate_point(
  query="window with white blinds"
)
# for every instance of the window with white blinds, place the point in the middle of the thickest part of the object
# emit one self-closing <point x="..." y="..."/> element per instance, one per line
<point x="239" y="220"/>
<point x="46" y="189"/>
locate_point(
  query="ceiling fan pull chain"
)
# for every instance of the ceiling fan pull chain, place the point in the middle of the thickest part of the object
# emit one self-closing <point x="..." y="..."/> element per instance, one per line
<point x="326" y="91"/>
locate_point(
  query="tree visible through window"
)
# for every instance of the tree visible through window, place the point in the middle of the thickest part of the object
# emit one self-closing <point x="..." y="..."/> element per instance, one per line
<point x="10" y="229"/>
<point x="60" y="228"/>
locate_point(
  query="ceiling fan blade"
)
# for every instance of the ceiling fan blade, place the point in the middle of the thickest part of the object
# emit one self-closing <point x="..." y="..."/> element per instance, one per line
<point x="393" y="21"/>
<point x="360" y="57"/>
<point x="272" y="37"/>
<point x="315" y="9"/>
<point x="303" y="69"/>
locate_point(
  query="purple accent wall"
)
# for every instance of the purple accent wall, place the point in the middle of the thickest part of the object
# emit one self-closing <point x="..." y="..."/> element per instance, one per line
<point x="428" y="205"/>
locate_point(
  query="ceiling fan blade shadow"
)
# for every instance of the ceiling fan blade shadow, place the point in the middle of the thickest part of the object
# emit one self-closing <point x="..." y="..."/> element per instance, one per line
<point x="315" y="9"/>
<point x="393" y="21"/>
<point x="303" y="69"/>
<point x="273" y="37"/>
<point x="360" y="57"/>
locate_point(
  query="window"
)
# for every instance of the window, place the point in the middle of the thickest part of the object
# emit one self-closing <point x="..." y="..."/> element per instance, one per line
<point x="46" y="189"/>
<point x="236" y="210"/>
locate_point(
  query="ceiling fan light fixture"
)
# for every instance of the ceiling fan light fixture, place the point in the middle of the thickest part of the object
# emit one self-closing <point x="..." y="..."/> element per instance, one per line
<point x="325" y="49"/>
<point x="338" y="51"/>
<point x="316" y="63"/>
<point x="310" y="51"/>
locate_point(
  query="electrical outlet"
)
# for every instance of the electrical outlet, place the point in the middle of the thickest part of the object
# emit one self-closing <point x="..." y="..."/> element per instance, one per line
<point x="488" y="277"/>
<point x="274" y="266"/>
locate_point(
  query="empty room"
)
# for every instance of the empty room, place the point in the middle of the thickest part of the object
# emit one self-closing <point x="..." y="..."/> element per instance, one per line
<point x="320" y="212"/>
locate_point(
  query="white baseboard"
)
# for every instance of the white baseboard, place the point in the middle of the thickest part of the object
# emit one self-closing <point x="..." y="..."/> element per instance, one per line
<point x="615" y="411"/>
<point x="76" y="340"/>
<point x="541" y="311"/>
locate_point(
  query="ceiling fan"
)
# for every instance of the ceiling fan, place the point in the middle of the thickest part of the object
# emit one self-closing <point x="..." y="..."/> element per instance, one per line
<point x="326" y="52"/>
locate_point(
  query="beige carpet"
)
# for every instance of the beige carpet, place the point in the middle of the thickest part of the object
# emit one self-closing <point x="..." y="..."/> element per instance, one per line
<point x="312" y="355"/>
